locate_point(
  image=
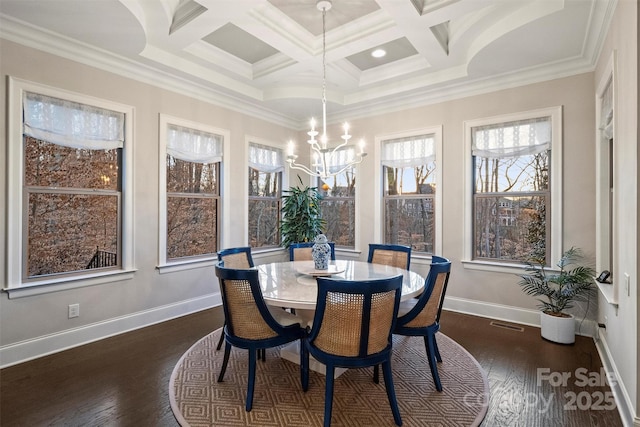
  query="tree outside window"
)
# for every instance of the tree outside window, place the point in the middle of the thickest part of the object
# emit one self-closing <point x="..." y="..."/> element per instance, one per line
<point x="409" y="173"/>
<point x="266" y="165"/>
<point x="73" y="186"/>
<point x="512" y="197"/>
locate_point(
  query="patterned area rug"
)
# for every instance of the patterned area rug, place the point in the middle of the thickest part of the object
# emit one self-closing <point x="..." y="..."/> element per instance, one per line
<point x="197" y="399"/>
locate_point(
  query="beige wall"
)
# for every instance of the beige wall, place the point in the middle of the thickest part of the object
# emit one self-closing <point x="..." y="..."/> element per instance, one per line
<point x="575" y="94"/>
<point x="620" y="339"/>
<point x="38" y="316"/>
<point x="28" y="319"/>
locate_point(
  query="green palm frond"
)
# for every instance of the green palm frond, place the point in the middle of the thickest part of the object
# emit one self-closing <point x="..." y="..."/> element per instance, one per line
<point x="559" y="288"/>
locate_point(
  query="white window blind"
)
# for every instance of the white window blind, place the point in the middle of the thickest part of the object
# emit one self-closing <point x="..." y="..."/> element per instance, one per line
<point x="193" y="145"/>
<point x="512" y="139"/>
<point x="265" y="159"/>
<point x="408" y="152"/>
<point x="72" y="124"/>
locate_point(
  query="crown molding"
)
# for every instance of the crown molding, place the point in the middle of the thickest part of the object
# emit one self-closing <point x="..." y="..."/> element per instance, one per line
<point x="376" y="99"/>
<point x="24" y="34"/>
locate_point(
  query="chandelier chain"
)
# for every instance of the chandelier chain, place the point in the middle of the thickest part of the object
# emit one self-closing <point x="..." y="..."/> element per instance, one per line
<point x="324" y="75"/>
<point x="327" y="161"/>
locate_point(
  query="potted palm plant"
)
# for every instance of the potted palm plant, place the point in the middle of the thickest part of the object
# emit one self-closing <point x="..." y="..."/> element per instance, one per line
<point x="558" y="290"/>
<point x="301" y="220"/>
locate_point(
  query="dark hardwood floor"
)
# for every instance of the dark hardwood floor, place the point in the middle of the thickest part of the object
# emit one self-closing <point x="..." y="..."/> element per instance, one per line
<point x="123" y="380"/>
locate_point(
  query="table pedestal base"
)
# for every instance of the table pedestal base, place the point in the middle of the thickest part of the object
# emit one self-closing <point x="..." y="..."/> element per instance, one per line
<point x="291" y="352"/>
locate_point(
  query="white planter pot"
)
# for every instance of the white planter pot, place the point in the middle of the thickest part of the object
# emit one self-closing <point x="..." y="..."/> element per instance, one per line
<point x="558" y="329"/>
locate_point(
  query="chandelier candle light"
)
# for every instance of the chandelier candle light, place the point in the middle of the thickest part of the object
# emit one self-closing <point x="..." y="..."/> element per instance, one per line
<point x="325" y="163"/>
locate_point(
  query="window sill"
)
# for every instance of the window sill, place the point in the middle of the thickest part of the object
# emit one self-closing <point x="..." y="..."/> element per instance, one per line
<point x="186" y="265"/>
<point x="496" y="267"/>
<point x="75" y="282"/>
<point x="607" y="291"/>
<point x="422" y="259"/>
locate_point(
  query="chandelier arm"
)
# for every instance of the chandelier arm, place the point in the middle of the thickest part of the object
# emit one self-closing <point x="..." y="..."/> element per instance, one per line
<point x="339" y="146"/>
<point x="350" y="165"/>
<point x="294" y="165"/>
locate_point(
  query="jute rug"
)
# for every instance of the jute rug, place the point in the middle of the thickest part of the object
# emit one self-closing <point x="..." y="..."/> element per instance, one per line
<point x="197" y="399"/>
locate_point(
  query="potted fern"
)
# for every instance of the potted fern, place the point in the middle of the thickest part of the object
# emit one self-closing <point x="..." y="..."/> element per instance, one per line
<point x="558" y="290"/>
<point x="301" y="220"/>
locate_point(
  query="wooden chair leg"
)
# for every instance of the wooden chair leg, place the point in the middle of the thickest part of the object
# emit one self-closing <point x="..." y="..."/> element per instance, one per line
<point x="435" y="346"/>
<point x="391" y="392"/>
<point x="225" y="360"/>
<point x="376" y="374"/>
<point x="304" y="366"/>
<point x="221" y="340"/>
<point x="251" y="379"/>
<point x="328" y="395"/>
<point x="428" y="341"/>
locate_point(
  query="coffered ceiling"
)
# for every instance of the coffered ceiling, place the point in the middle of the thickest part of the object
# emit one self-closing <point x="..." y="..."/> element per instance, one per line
<point x="265" y="56"/>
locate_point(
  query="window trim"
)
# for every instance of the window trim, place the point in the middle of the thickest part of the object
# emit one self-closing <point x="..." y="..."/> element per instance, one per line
<point x="185" y="263"/>
<point x="555" y="186"/>
<point x="606" y="224"/>
<point x="436" y="131"/>
<point x="15" y="283"/>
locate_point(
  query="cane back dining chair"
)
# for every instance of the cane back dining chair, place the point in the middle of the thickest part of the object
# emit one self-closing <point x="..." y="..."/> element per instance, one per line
<point x="249" y="322"/>
<point x="421" y="317"/>
<point x="301" y="251"/>
<point x="352" y="328"/>
<point x="393" y="255"/>
<point x="239" y="257"/>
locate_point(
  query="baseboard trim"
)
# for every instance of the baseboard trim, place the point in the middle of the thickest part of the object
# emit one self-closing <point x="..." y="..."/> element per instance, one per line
<point x="625" y="406"/>
<point x="23" y="351"/>
<point x="512" y="314"/>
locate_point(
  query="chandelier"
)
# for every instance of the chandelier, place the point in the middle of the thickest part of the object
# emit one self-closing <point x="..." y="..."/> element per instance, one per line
<point x="327" y="161"/>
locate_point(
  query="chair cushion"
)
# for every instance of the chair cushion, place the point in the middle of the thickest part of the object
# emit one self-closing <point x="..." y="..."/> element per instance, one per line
<point x="406" y="306"/>
<point x="284" y="317"/>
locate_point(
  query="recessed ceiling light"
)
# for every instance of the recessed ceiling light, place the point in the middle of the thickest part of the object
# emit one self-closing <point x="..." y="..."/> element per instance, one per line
<point x="378" y="53"/>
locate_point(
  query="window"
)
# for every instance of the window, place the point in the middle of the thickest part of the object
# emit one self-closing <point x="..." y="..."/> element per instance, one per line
<point x="410" y="177"/>
<point x="338" y="205"/>
<point x="605" y="182"/>
<point x="265" y="195"/>
<point x="516" y="186"/>
<point x="190" y="201"/>
<point x="69" y="203"/>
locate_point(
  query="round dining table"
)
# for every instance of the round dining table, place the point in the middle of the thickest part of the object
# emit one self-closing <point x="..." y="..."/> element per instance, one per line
<point x="292" y="284"/>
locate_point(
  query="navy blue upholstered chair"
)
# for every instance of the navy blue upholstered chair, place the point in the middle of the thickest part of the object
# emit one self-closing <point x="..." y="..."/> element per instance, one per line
<point x="421" y="316"/>
<point x="302" y="251"/>
<point x="393" y="255"/>
<point x="234" y="258"/>
<point x="352" y="328"/>
<point x="249" y="322"/>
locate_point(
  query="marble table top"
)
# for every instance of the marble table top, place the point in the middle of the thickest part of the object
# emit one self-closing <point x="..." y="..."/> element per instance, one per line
<point x="293" y="284"/>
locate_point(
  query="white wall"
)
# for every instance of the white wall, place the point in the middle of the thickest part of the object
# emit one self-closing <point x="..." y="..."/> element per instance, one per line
<point x="619" y="342"/>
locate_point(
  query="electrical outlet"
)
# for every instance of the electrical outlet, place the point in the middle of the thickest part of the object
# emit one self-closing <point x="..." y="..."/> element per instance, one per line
<point x="74" y="310"/>
<point x="627" y="279"/>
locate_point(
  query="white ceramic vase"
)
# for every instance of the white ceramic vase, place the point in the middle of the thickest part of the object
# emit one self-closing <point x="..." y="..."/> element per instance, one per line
<point x="561" y="330"/>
